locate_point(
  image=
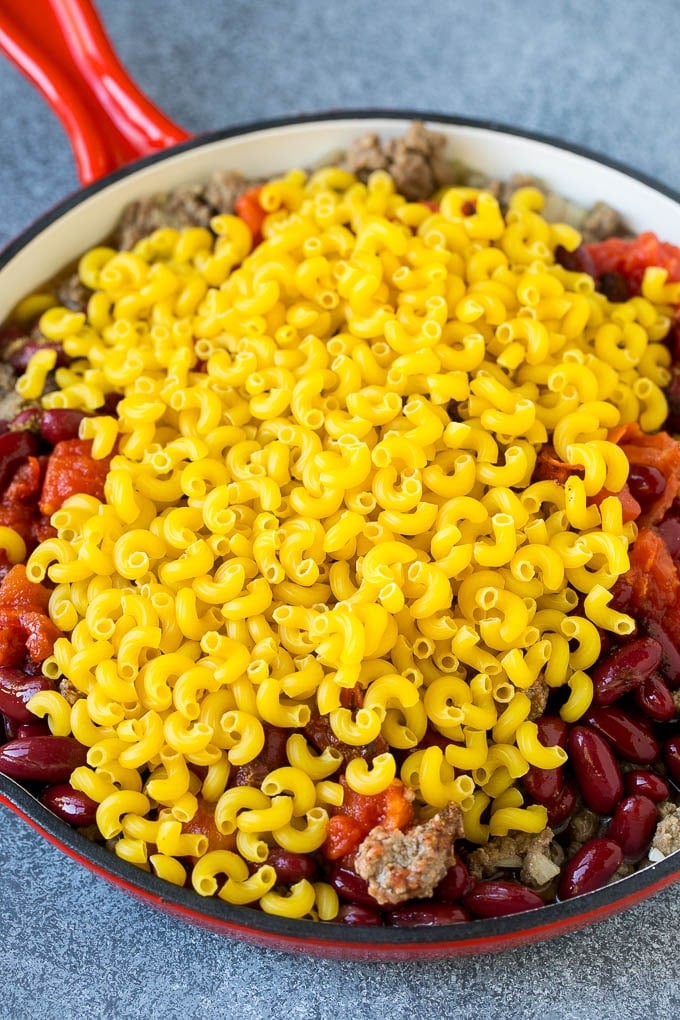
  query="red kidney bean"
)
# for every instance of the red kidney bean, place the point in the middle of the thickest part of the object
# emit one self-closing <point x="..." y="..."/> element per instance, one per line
<point x="646" y="483"/>
<point x="16" y="690"/>
<point x="70" y="805"/>
<point x="42" y="759"/>
<point x="426" y="914"/>
<point x="350" y="886"/>
<point x="631" y="738"/>
<point x="497" y="899"/>
<point x="625" y="670"/>
<point x="561" y="808"/>
<point x="552" y="731"/>
<point x="60" y="423"/>
<point x="39" y="728"/>
<point x="20" y="357"/>
<point x="10" y="727"/>
<point x="669" y="529"/>
<point x="544" y="785"/>
<point x="590" y="868"/>
<point x="647" y="783"/>
<point x="351" y="913"/>
<point x="654" y="699"/>
<point x="455" y="884"/>
<point x="671" y="757"/>
<point x="670" y="656"/>
<point x="291" y="867"/>
<point x="633" y="824"/>
<point x="596" y="770"/>
<point x="577" y="261"/>
<point x="15" y="447"/>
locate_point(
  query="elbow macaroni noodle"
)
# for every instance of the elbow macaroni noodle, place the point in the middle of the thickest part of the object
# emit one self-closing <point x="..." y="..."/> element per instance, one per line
<point x="291" y="512"/>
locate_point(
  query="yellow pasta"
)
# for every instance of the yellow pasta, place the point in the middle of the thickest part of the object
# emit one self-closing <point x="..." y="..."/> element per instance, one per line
<point x="320" y="514"/>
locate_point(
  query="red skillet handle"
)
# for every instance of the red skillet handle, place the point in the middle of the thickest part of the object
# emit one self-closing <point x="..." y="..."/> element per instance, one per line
<point x="62" y="47"/>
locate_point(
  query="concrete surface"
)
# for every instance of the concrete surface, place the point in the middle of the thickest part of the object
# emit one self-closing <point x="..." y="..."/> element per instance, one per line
<point x="603" y="75"/>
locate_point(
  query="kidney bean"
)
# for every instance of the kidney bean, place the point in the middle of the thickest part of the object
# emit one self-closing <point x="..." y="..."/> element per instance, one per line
<point x="647" y="783"/>
<point x="669" y="529"/>
<point x="60" y="423"/>
<point x="70" y="805"/>
<point x="625" y="670"/>
<point x="670" y="656"/>
<point x="14" y="448"/>
<point x="291" y="867"/>
<point x="351" y="913"/>
<point x="577" y="261"/>
<point x="497" y="899"/>
<point x="596" y="770"/>
<point x="590" y="868"/>
<point x="631" y="738"/>
<point x="654" y="699"/>
<point x="552" y="731"/>
<point x="646" y="484"/>
<point x="426" y="914"/>
<point x="455" y="884"/>
<point x="47" y="759"/>
<point x="16" y="690"/>
<point x="544" y="785"/>
<point x="20" y="357"/>
<point x="671" y="757"/>
<point x="350" y="886"/>
<point x="633" y="824"/>
<point x="10" y="727"/>
<point x="561" y="808"/>
<point x="39" y="728"/>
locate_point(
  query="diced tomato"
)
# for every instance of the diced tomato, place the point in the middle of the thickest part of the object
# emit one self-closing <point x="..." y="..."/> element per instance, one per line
<point x="549" y="467"/>
<point x="344" y="835"/>
<point x="17" y="592"/>
<point x="658" y="451"/>
<point x="72" y="469"/>
<point x="630" y="506"/>
<point x="248" y="207"/>
<point x="655" y="582"/>
<point x="25" y="627"/>
<point x="631" y="257"/>
<point x="26" y="483"/>
<point x="360" y="813"/>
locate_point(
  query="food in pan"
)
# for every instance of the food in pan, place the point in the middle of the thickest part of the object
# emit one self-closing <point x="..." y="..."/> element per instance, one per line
<point x="340" y="527"/>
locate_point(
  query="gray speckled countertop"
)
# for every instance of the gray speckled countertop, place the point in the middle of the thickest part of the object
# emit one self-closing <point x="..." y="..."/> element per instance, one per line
<point x="603" y="75"/>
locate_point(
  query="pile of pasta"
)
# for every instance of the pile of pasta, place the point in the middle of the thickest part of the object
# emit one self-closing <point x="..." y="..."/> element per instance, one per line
<point x="321" y="481"/>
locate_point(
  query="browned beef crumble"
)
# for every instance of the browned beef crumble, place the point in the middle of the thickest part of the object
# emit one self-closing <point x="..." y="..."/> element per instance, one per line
<point x="538" y="696"/>
<point x="401" y="866"/>
<point x="536" y="857"/>
<point x="416" y="161"/>
<point x="192" y="206"/>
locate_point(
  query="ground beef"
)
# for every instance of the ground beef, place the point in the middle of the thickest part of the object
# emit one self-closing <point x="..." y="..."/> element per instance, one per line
<point x="538" y="696"/>
<point x="73" y="294"/>
<point x="68" y="691"/>
<point x="192" y="206"/>
<point x="416" y="161"/>
<point x="667" y="836"/>
<point x="584" y="825"/>
<point x="408" y="865"/>
<point x="10" y="401"/>
<point x="536" y="857"/>
<point x="602" y="222"/>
